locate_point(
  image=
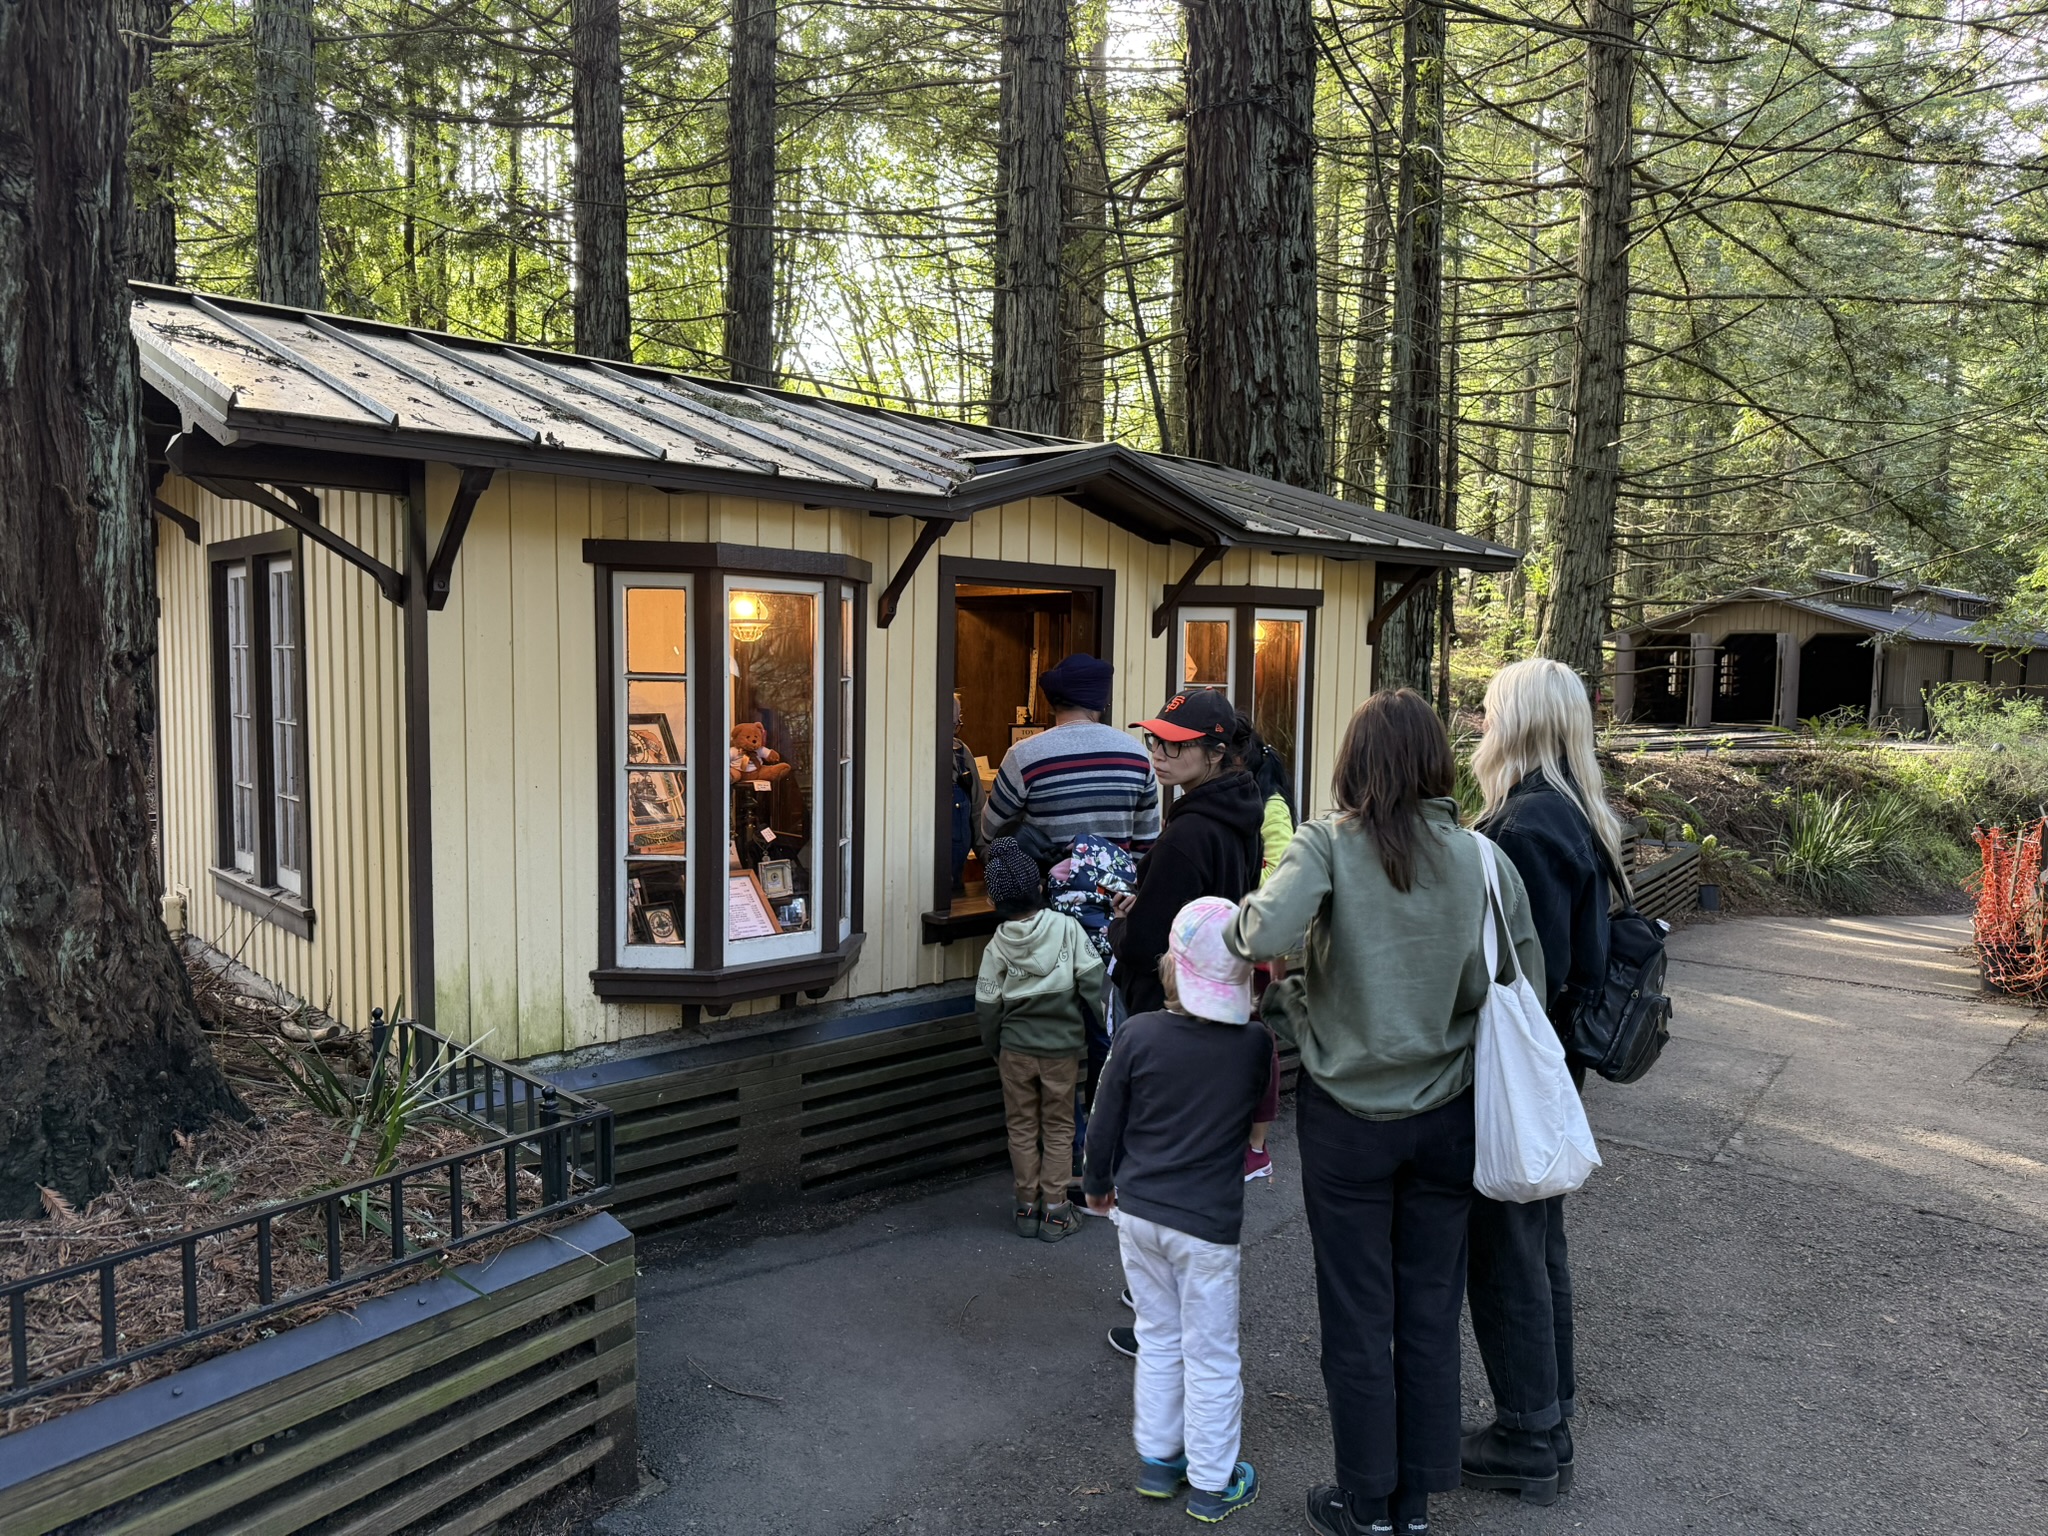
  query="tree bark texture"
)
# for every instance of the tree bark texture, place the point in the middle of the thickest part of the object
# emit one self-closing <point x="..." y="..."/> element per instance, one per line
<point x="1415" y="416"/>
<point x="97" y="1025"/>
<point x="1254" y="394"/>
<point x="287" y="156"/>
<point x="750" y="147"/>
<point x="1582" y="544"/>
<point x="1365" y="432"/>
<point x="598" y="91"/>
<point x="1084" y="262"/>
<point x="1030" y="217"/>
<point x="152" y="220"/>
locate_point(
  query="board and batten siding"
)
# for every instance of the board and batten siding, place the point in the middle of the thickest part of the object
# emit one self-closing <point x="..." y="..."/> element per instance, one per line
<point x="359" y="955"/>
<point x="513" y="717"/>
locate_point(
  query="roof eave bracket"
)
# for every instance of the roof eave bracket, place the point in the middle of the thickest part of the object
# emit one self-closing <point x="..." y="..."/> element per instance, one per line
<point x="390" y="582"/>
<point x="1385" y="611"/>
<point x="934" y="529"/>
<point x="1205" y="557"/>
<point x="476" y="479"/>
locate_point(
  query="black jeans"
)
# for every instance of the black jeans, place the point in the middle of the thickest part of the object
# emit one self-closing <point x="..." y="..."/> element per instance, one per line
<point x="1521" y="1289"/>
<point x="1387" y="1205"/>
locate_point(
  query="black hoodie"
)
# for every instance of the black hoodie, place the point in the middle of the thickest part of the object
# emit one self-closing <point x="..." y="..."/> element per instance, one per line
<point x="1209" y="847"/>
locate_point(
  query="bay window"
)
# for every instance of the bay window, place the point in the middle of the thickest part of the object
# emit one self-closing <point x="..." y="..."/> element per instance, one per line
<point x="730" y="830"/>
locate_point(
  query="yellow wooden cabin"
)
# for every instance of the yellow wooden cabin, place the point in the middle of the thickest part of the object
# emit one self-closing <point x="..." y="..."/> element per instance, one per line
<point x="456" y="635"/>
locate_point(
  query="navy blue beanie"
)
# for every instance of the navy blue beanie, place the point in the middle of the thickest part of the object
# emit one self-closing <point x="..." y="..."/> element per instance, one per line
<point x="1082" y="681"/>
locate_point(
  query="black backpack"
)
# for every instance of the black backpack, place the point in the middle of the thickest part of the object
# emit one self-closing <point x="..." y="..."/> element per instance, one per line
<point x="1620" y="1030"/>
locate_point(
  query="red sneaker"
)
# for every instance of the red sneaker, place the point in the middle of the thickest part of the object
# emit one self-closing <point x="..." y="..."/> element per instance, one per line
<point x="1258" y="1164"/>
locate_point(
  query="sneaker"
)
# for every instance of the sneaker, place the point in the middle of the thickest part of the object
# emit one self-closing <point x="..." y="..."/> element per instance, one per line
<point x="1124" y="1296"/>
<point x="1258" y="1164"/>
<point x="1210" y="1507"/>
<point x="1059" y="1221"/>
<point x="1329" y="1514"/>
<point x="1027" y="1220"/>
<point x="1124" y="1341"/>
<point x="1161" y="1479"/>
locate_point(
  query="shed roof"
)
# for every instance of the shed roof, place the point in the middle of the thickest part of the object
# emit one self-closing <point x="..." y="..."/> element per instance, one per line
<point x="247" y="373"/>
<point x="1909" y="624"/>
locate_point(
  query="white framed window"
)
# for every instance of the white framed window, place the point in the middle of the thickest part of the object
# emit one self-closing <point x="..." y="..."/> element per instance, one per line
<point x="287" y="790"/>
<point x="239" y="623"/>
<point x="652" y="771"/>
<point x="1207" y="649"/>
<point x="1279" y="704"/>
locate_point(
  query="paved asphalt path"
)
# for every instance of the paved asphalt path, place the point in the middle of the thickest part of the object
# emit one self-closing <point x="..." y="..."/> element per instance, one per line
<point x="1813" y="1297"/>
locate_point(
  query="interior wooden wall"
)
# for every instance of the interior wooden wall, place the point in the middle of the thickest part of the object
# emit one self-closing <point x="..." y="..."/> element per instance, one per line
<point x="358" y="957"/>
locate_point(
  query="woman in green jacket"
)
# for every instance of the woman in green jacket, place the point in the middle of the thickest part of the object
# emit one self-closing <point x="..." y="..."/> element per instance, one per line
<point x="1386" y="899"/>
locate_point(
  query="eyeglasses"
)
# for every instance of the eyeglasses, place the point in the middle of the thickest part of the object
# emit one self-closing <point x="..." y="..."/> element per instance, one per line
<point x="1159" y="746"/>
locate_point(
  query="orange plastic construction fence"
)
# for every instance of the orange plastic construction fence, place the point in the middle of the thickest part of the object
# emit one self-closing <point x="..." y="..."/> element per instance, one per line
<point x="2012" y="910"/>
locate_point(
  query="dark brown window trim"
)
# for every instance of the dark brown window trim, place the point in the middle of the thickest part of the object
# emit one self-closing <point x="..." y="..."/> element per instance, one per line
<point x="1261" y="597"/>
<point x="254" y="549"/>
<point x="711" y="982"/>
<point x="726" y="985"/>
<point x="662" y="555"/>
<point x="940" y="926"/>
<point x="279" y="908"/>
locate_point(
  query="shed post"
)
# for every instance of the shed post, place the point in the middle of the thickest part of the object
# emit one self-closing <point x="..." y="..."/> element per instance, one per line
<point x="1699" y="687"/>
<point x="1876" y="684"/>
<point x="1788" y="679"/>
<point x="1623" y="688"/>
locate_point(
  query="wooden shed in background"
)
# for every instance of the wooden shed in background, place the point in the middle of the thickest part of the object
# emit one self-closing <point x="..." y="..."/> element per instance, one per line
<point x="1857" y="643"/>
<point x="471" y="653"/>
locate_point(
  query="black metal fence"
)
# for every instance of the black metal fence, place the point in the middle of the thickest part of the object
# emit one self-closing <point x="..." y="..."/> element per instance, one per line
<point x="543" y="1151"/>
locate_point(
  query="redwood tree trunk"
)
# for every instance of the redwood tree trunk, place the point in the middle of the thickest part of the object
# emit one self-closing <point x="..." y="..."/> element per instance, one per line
<point x="750" y="146"/>
<point x="97" y="1026"/>
<point x="1415" y="418"/>
<point x="1254" y="392"/>
<point x="153" y="223"/>
<point x="603" y="322"/>
<point x="287" y="156"/>
<point x="1025" y="381"/>
<point x="1084" y="264"/>
<point x="1582" y="544"/>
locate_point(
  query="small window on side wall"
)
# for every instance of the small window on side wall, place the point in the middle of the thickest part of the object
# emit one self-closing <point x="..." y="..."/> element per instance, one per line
<point x="1254" y="644"/>
<point x="260" y="752"/>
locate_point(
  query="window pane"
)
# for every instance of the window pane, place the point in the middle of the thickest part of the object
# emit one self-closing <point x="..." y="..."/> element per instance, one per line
<point x="288" y="795"/>
<point x="846" y="767"/>
<point x="652" y="750"/>
<point x="241" y="721"/>
<point x="772" y="762"/>
<point x="657" y="638"/>
<point x="1276" y="687"/>
<point x="1206" y="659"/>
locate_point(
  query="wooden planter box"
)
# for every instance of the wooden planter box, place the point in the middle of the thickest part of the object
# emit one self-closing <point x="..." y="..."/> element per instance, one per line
<point x="440" y="1408"/>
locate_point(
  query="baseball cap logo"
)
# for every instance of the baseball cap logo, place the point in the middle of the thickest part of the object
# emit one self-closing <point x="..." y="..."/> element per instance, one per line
<point x="1174" y="703"/>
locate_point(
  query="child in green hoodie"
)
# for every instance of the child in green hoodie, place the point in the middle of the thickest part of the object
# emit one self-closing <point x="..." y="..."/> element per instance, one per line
<point x="1038" y="986"/>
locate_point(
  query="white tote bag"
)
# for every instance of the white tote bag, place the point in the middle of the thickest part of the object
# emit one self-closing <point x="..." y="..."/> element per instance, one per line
<point x="1531" y="1132"/>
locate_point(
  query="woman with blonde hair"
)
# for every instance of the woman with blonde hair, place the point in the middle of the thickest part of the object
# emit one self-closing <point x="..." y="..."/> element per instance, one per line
<point x="1542" y="786"/>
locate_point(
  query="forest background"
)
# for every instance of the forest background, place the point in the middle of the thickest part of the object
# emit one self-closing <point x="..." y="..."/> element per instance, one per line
<point x="1824" y="234"/>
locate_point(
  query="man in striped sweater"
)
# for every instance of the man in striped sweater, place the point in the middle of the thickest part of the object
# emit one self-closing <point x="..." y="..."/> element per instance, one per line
<point x="1079" y="777"/>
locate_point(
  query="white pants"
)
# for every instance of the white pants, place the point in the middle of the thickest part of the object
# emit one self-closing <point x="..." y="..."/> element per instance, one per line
<point x="1190" y="1389"/>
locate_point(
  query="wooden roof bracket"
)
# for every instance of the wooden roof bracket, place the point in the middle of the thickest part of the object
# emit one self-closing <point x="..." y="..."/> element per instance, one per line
<point x="476" y="479"/>
<point x="934" y="529"/>
<point x="187" y="525"/>
<point x="1384" y="611"/>
<point x="1205" y="557"/>
<point x="292" y="513"/>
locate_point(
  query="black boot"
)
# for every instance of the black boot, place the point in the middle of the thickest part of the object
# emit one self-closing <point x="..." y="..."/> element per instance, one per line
<point x="1512" y="1461"/>
<point x="1561" y="1448"/>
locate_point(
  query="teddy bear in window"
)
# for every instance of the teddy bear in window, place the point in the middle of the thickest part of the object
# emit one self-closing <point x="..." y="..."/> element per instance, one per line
<point x="751" y="758"/>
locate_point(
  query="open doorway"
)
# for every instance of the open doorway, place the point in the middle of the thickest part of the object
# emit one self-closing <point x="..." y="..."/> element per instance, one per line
<point x="1002" y="626"/>
<point x="1834" y="675"/>
<point x="1746" y="680"/>
<point x="1663" y="665"/>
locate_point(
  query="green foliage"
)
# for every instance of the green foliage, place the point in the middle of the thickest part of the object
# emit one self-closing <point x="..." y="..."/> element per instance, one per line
<point x="1825" y="851"/>
<point x="1974" y="715"/>
<point x="380" y="1108"/>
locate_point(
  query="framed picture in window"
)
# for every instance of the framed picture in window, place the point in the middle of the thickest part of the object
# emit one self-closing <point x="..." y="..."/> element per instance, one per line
<point x="649" y="740"/>
<point x="748" y="915"/>
<point x="778" y="879"/>
<point x="662" y="926"/>
<point x="655" y="812"/>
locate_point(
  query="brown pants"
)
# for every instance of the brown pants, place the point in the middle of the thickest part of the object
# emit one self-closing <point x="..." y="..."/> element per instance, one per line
<point x="1038" y="1103"/>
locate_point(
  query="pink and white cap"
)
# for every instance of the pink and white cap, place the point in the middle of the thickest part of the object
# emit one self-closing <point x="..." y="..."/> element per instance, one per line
<point x="1212" y="982"/>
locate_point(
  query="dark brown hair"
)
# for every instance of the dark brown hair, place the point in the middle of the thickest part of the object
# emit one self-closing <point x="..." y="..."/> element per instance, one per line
<point x="1395" y="755"/>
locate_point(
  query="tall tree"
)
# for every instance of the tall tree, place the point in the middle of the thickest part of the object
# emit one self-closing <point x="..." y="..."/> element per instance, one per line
<point x="287" y="156"/>
<point x="750" y="237"/>
<point x="1415" y="415"/>
<point x="1084" y="261"/>
<point x="1582" y="542"/>
<point x="153" y="223"/>
<point x="97" y="1025"/>
<point x="1253" y="384"/>
<point x="1030" y="217"/>
<point x="598" y="104"/>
